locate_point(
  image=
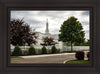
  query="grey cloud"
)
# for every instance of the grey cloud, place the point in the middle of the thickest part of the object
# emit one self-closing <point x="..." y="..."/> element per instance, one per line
<point x="51" y="13"/>
<point x="20" y="12"/>
<point x="55" y="31"/>
<point x="85" y="23"/>
<point x="85" y="13"/>
<point x="87" y="31"/>
<point x="33" y="21"/>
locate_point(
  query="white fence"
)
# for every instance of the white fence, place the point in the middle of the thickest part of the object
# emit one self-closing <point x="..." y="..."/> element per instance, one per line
<point x="78" y="48"/>
<point x="65" y="48"/>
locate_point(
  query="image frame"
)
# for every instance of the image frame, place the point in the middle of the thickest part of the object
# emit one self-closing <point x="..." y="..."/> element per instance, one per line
<point x="90" y="9"/>
<point x="7" y="68"/>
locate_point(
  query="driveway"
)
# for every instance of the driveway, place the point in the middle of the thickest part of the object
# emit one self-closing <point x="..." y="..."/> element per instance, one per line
<point x="47" y="58"/>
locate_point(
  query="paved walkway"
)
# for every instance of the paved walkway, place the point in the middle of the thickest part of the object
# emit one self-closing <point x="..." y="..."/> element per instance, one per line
<point x="46" y="58"/>
<point x="45" y="55"/>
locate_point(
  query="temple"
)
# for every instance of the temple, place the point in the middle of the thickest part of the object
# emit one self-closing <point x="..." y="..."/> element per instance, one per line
<point x="40" y="35"/>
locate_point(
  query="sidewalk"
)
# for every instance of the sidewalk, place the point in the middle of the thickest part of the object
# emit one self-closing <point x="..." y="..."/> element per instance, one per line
<point x="45" y="55"/>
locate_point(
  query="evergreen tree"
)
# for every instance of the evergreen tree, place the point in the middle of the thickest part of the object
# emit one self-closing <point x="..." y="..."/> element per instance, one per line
<point x="44" y="50"/>
<point x="17" y="51"/>
<point x="54" y="49"/>
<point x="32" y="50"/>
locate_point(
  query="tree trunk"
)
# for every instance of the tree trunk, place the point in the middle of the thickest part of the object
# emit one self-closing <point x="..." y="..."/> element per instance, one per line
<point x="71" y="46"/>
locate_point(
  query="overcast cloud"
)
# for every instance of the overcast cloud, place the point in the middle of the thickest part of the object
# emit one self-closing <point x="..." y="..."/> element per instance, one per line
<point x="37" y="19"/>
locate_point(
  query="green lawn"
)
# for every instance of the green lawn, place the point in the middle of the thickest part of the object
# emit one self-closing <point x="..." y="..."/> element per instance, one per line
<point x="77" y="62"/>
<point x="15" y="57"/>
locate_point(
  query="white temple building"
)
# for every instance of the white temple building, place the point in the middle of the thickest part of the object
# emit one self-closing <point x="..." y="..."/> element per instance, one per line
<point x="40" y="35"/>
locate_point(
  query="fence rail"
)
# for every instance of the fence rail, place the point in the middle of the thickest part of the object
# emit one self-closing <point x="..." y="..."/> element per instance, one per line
<point x="64" y="48"/>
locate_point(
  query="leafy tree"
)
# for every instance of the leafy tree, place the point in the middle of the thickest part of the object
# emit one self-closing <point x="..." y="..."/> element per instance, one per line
<point x="48" y="41"/>
<point x="17" y="51"/>
<point x="20" y="33"/>
<point x="85" y="43"/>
<point x="71" y="31"/>
<point x="88" y="42"/>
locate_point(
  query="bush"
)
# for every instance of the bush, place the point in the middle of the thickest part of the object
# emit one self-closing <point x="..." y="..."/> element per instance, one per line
<point x="39" y="51"/>
<point x="17" y="51"/>
<point x="31" y="50"/>
<point x="88" y="55"/>
<point x="58" y="50"/>
<point x="79" y="55"/>
<point x="54" y="50"/>
<point x="44" y="50"/>
<point x="26" y="52"/>
<point x="50" y="51"/>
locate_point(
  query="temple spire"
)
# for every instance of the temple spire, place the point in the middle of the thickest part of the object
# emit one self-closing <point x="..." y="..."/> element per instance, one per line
<point x="47" y="29"/>
<point x="47" y="19"/>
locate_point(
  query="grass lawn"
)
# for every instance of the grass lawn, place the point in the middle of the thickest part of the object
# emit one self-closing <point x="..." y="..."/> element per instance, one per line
<point x="78" y="62"/>
<point x="15" y="57"/>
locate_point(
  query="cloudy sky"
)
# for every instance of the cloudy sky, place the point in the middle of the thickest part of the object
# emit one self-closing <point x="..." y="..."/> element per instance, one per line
<point x="37" y="19"/>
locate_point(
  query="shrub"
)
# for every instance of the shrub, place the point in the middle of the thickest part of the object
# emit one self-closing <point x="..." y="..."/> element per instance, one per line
<point x="17" y="51"/>
<point x="54" y="50"/>
<point x="79" y="55"/>
<point x="58" y="50"/>
<point x="50" y="51"/>
<point x="44" y="50"/>
<point x="26" y="52"/>
<point x="31" y="50"/>
<point x="39" y="51"/>
<point x="88" y="55"/>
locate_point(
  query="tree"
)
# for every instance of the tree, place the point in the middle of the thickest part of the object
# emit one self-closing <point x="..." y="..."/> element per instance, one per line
<point x="44" y="50"/>
<point x="71" y="31"/>
<point x="17" y="51"/>
<point x="88" y="42"/>
<point x="54" y="49"/>
<point x="32" y="50"/>
<point x="85" y="43"/>
<point x="20" y="33"/>
<point x="48" y="41"/>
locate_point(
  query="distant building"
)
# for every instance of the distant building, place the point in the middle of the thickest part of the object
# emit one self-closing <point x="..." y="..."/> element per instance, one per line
<point x="40" y="35"/>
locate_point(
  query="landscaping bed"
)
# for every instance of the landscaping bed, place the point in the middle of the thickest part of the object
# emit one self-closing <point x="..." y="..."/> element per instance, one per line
<point x="78" y="62"/>
<point x="15" y="57"/>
